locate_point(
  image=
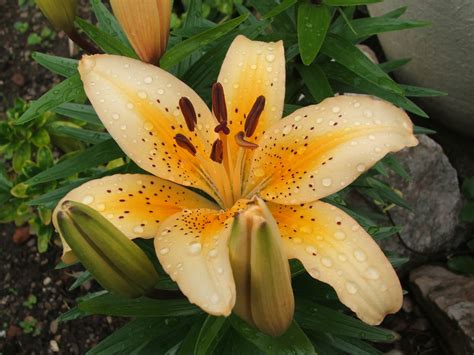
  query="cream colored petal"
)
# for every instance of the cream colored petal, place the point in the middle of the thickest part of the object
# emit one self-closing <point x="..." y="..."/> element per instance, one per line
<point x="336" y="250"/>
<point x="139" y="105"/>
<point x="320" y="149"/>
<point x="135" y="203"/>
<point x="192" y="248"/>
<point x="251" y="69"/>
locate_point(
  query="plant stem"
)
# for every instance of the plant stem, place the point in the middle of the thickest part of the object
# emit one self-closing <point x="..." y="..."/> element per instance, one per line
<point x="82" y="42"/>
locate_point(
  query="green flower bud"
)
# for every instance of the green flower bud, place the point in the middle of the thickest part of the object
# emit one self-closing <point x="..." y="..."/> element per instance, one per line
<point x="261" y="271"/>
<point x="117" y="263"/>
<point x="60" y="13"/>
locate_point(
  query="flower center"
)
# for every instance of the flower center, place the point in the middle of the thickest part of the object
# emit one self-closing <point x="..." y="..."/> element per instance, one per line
<point x="228" y="182"/>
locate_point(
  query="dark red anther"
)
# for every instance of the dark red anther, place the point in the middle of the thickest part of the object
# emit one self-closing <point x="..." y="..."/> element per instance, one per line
<point x="252" y="119"/>
<point x="183" y="142"/>
<point x="189" y="113"/>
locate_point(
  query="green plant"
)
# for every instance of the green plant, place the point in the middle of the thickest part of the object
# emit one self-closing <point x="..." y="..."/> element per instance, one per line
<point x="26" y="151"/>
<point x="321" y="59"/>
<point x="30" y="325"/>
<point x="30" y="301"/>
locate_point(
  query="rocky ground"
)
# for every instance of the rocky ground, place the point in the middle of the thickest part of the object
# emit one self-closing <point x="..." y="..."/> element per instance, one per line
<point x="438" y="309"/>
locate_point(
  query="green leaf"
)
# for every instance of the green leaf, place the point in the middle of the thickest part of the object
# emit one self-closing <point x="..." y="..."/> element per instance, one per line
<point x="107" y="21"/>
<point x="99" y="154"/>
<point x="349" y="2"/>
<point x="21" y="156"/>
<point x="416" y="91"/>
<point x="356" y="84"/>
<point x="392" y="65"/>
<point x="369" y="26"/>
<point x="391" y="161"/>
<point x="211" y="332"/>
<point x="109" y="304"/>
<point x="105" y="41"/>
<point x="313" y="24"/>
<point x="316" y="81"/>
<point x="83" y="277"/>
<point x="41" y="138"/>
<point x="51" y="198"/>
<point x="311" y="315"/>
<point x="43" y="237"/>
<point x="423" y="130"/>
<point x="398" y="261"/>
<point x="396" y="13"/>
<point x="180" y="51"/>
<point x="467" y="212"/>
<point x="84" y="113"/>
<point x="387" y="193"/>
<point x="65" y="91"/>
<point x="294" y="341"/>
<point x="283" y="6"/>
<point x="65" y="67"/>
<point x="44" y="158"/>
<point x="468" y="188"/>
<point x="346" y="54"/>
<point x="462" y="264"/>
<point x="353" y="346"/>
<point x="85" y="135"/>
<point x="143" y="336"/>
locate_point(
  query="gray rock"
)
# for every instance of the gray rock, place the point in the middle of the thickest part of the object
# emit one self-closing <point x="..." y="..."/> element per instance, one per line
<point x="434" y="195"/>
<point x="448" y="301"/>
<point x="439" y="55"/>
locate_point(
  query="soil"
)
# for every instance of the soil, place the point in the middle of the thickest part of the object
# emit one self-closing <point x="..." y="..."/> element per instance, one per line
<point x="25" y="274"/>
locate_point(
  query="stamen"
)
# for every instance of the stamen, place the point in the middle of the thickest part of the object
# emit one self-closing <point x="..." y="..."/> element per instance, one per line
<point x="218" y="103"/>
<point x="252" y="119"/>
<point x="217" y="152"/>
<point x="189" y="113"/>
<point x="183" y="142"/>
<point x="240" y="140"/>
<point x="222" y="127"/>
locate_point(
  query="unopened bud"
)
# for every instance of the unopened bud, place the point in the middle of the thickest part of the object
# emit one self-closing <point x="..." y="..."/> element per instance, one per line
<point x="146" y="24"/>
<point x="117" y="263"/>
<point x="261" y="271"/>
<point x="60" y="13"/>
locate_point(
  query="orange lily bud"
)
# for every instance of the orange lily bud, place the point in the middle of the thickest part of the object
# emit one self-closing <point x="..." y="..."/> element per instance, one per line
<point x="146" y="24"/>
<point x="60" y="13"/>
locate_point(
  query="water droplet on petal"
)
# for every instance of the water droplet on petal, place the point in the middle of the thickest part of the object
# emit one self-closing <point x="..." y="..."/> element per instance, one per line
<point x="297" y="240"/>
<point x="213" y="253"/>
<point x="286" y="129"/>
<point x="360" y="168"/>
<point x="339" y="235"/>
<point x="130" y="105"/>
<point x="164" y="251"/>
<point x="360" y="255"/>
<point x="142" y="94"/>
<point x="161" y="91"/>
<point x="368" y="113"/>
<point x="326" y="261"/>
<point x="115" y="116"/>
<point x="148" y="126"/>
<point x="100" y="207"/>
<point x="194" y="248"/>
<point x="372" y="273"/>
<point x="351" y="287"/>
<point x="336" y="109"/>
<point x="87" y="200"/>
<point x="253" y="67"/>
<point x="214" y="298"/>
<point x="138" y="229"/>
<point x="327" y="182"/>
<point x="148" y="80"/>
<point x="311" y="250"/>
<point x="270" y="57"/>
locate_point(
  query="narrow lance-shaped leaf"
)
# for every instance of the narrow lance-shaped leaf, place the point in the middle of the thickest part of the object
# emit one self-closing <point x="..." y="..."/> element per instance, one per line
<point x="211" y="332"/>
<point x="180" y="51"/>
<point x="81" y="112"/>
<point x="316" y="81"/>
<point x="104" y="40"/>
<point x="349" y="2"/>
<point x="65" y="67"/>
<point x="313" y="23"/>
<point x="65" y="91"/>
<point x="107" y="21"/>
<point x="285" y="4"/>
<point x="345" y="53"/>
<point x="62" y="130"/>
<point x="89" y="158"/>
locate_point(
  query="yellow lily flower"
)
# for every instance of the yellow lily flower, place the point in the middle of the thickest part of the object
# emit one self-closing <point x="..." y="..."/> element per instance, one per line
<point x="242" y="153"/>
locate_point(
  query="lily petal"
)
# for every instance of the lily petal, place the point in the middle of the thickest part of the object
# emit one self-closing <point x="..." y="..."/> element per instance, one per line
<point x="252" y="69"/>
<point x="192" y="247"/>
<point x="320" y="149"/>
<point x="139" y="104"/>
<point x="135" y="203"/>
<point x="336" y="250"/>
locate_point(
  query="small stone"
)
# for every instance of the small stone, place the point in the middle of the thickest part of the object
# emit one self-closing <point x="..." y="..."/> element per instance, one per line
<point x="18" y="79"/>
<point x="13" y="331"/>
<point x="47" y="281"/>
<point x="53" y="326"/>
<point x="21" y="235"/>
<point x="53" y="345"/>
